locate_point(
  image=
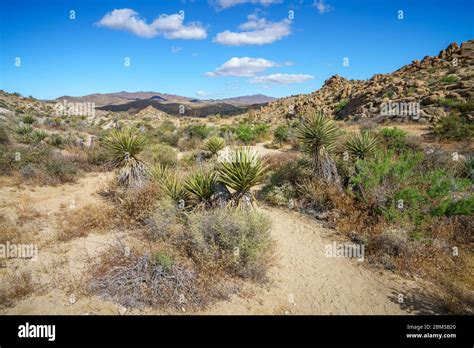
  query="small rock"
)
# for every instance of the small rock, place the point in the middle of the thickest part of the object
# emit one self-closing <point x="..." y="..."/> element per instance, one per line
<point x="122" y="310"/>
<point x="72" y="299"/>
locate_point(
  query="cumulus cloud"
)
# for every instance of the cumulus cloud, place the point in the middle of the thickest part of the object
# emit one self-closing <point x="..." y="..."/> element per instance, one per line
<point x="243" y="67"/>
<point x="169" y="26"/>
<point x="282" y="79"/>
<point x="256" y="31"/>
<point x="222" y="4"/>
<point x="322" y="7"/>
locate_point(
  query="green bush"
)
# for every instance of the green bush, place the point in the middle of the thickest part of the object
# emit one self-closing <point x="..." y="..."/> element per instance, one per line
<point x="453" y="127"/>
<point x="61" y="170"/>
<point x="164" y="260"/>
<point x="198" y="131"/>
<point x="281" y="134"/>
<point x="341" y="105"/>
<point x="394" y="138"/>
<point x="167" y="133"/>
<point x="251" y="133"/>
<point x="399" y="186"/>
<point x="160" y="153"/>
<point x="238" y="240"/>
<point x="448" y="79"/>
<point x="281" y="195"/>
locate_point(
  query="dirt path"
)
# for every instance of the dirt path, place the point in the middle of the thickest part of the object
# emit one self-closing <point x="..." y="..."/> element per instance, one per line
<point x="301" y="281"/>
<point x="305" y="281"/>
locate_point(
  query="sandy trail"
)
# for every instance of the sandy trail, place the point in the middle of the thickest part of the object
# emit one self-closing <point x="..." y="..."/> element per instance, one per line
<point x="305" y="281"/>
<point x="302" y="279"/>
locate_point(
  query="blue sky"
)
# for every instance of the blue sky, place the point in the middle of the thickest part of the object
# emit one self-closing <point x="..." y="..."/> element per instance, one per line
<point x="217" y="48"/>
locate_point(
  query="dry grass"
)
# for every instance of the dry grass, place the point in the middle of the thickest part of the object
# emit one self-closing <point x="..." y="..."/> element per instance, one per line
<point x="81" y="222"/>
<point x="16" y="286"/>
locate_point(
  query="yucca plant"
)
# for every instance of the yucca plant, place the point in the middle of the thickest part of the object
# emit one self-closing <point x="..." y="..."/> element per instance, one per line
<point x="242" y="171"/>
<point x="200" y="185"/>
<point x="28" y="119"/>
<point x="169" y="182"/>
<point x="361" y="145"/>
<point x="173" y="188"/>
<point x="23" y="133"/>
<point x="160" y="171"/>
<point x="123" y="147"/>
<point x="24" y="129"/>
<point x="318" y="134"/>
<point x="466" y="168"/>
<point x="37" y="136"/>
<point x="214" y="145"/>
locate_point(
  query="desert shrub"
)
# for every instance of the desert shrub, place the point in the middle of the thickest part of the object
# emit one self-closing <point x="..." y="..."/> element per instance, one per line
<point x="160" y="153"/>
<point x="60" y="170"/>
<point x="453" y="127"/>
<point x="135" y="206"/>
<point x="340" y="105"/>
<point x="448" y="79"/>
<point x="165" y="222"/>
<point x="280" y="195"/>
<point x="167" y="133"/>
<point x="281" y="134"/>
<point x="4" y="138"/>
<point x="239" y="240"/>
<point x="294" y="171"/>
<point x="400" y="187"/>
<point x="251" y="133"/>
<point x="199" y="131"/>
<point x="80" y="222"/>
<point x="189" y="143"/>
<point x="393" y="138"/>
<point x="316" y="195"/>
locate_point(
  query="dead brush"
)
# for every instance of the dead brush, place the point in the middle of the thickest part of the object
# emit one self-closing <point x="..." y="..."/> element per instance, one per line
<point x="137" y="280"/>
<point x="16" y="286"/>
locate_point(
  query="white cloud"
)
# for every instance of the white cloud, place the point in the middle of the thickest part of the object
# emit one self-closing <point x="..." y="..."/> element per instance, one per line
<point x="256" y="31"/>
<point x="202" y="93"/>
<point x="222" y="4"/>
<point x="169" y="26"/>
<point x="176" y="49"/>
<point x="282" y="79"/>
<point x="244" y="66"/>
<point x="322" y="7"/>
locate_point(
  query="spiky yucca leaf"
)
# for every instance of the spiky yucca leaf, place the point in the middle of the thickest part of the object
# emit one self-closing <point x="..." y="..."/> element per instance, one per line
<point x="361" y="145"/>
<point x="317" y="133"/>
<point x="123" y="146"/>
<point x="214" y="145"/>
<point x="173" y="188"/>
<point x="243" y="170"/>
<point x="200" y="185"/>
<point x="159" y="171"/>
<point x="169" y="182"/>
<point x="25" y="129"/>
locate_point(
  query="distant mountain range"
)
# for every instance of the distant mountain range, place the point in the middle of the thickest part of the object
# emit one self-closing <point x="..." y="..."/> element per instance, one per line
<point x="133" y="102"/>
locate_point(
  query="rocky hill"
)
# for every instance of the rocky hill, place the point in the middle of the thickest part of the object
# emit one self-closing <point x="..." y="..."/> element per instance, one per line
<point x="421" y="91"/>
